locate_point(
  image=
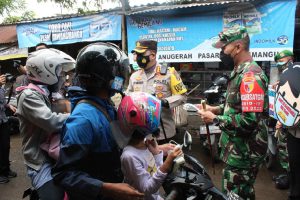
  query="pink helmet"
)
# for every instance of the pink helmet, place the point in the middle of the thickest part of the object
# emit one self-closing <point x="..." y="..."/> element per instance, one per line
<point x="139" y="110"/>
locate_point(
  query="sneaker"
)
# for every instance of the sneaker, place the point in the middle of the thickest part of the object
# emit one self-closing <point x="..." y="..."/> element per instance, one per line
<point x="11" y="174"/>
<point x="3" y="179"/>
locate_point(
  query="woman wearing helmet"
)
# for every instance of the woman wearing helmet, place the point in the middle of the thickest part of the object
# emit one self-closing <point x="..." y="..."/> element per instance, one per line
<point x="89" y="164"/>
<point x="37" y="121"/>
<point x="142" y="160"/>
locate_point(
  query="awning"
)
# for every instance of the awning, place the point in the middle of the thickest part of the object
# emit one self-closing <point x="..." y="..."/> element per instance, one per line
<point x="12" y="52"/>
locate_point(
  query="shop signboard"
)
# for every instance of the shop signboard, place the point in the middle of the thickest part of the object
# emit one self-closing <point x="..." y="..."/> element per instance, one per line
<point x="12" y="52"/>
<point x="189" y="37"/>
<point x="101" y="27"/>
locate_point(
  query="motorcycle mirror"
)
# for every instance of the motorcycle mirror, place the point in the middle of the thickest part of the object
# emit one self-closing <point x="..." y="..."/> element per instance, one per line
<point x="187" y="140"/>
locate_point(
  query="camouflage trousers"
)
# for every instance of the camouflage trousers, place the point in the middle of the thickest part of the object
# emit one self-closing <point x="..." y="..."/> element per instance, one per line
<point x="240" y="181"/>
<point x="282" y="151"/>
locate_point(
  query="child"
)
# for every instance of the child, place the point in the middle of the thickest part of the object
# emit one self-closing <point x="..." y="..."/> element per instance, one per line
<point x="142" y="160"/>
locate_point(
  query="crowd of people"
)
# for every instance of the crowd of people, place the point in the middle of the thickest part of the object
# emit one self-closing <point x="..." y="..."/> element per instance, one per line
<point x="104" y="153"/>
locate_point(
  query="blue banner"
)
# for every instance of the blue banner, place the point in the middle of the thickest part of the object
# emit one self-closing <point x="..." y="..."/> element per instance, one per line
<point x="100" y="27"/>
<point x="187" y="36"/>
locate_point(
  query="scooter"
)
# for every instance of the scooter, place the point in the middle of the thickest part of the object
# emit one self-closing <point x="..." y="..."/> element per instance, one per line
<point x="189" y="180"/>
<point x="215" y="93"/>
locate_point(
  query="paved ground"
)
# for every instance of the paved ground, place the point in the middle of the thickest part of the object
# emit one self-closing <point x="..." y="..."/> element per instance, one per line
<point x="14" y="189"/>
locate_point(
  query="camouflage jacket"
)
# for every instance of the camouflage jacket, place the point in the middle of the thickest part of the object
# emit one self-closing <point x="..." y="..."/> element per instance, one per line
<point x="244" y="133"/>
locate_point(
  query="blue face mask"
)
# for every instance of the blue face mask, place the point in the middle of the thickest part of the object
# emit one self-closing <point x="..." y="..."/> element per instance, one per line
<point x="280" y="64"/>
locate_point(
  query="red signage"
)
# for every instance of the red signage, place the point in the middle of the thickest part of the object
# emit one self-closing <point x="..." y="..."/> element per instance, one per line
<point x="252" y="95"/>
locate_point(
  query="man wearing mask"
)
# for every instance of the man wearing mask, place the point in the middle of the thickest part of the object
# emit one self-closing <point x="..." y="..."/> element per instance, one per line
<point x="244" y="134"/>
<point x="162" y="81"/>
<point x="282" y="59"/>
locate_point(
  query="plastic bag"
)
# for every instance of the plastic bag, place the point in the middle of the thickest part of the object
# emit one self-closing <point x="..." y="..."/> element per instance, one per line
<point x="180" y="116"/>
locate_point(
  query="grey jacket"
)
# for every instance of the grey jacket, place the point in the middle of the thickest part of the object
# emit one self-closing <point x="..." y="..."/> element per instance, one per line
<point x="37" y="122"/>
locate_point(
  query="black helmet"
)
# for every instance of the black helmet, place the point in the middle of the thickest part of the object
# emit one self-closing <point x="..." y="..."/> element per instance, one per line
<point x="98" y="64"/>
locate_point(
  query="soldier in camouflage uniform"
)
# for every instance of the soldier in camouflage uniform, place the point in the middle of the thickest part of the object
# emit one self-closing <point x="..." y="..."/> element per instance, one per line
<point x="162" y="81"/>
<point x="281" y="181"/>
<point x="244" y="134"/>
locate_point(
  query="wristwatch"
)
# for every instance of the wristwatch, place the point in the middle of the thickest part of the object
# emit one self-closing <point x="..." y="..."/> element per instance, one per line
<point x="216" y="121"/>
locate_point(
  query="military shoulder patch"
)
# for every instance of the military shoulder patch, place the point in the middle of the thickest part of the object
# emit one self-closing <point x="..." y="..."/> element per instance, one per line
<point x="252" y="95"/>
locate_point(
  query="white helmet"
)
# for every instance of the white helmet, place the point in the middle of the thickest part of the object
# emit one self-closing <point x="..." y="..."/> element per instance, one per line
<point x="44" y="66"/>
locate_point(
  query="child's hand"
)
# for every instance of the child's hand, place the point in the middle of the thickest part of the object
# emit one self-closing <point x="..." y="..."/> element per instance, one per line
<point x="173" y="154"/>
<point x="152" y="146"/>
<point x="167" y="165"/>
<point x="166" y="148"/>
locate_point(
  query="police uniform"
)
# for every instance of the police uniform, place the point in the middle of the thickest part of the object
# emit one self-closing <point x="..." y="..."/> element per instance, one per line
<point x="161" y="82"/>
<point x="244" y="134"/>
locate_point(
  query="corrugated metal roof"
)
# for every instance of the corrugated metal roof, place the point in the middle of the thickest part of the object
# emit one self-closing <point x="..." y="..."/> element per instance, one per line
<point x="147" y="9"/>
<point x="150" y="7"/>
<point x="67" y="16"/>
<point x="8" y="34"/>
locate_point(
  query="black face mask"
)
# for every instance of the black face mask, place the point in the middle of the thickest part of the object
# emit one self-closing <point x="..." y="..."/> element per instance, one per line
<point x="226" y="59"/>
<point x="142" y="61"/>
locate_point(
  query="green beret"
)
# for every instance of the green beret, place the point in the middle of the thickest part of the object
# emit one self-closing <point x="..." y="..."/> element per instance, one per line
<point x="230" y="35"/>
<point x="283" y="54"/>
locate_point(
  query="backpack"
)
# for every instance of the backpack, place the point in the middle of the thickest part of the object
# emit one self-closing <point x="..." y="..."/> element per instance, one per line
<point x="52" y="145"/>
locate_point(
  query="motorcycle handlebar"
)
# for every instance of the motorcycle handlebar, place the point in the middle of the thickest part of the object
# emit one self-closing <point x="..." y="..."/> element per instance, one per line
<point x="173" y="195"/>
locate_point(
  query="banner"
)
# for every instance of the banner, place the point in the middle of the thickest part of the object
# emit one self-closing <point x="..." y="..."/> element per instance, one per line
<point x="272" y="94"/>
<point x="189" y="35"/>
<point x="100" y="27"/>
<point x="13" y="52"/>
<point x="287" y="108"/>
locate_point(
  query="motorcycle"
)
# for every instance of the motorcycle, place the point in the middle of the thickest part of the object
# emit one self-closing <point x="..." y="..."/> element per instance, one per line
<point x="215" y="93"/>
<point x="189" y="180"/>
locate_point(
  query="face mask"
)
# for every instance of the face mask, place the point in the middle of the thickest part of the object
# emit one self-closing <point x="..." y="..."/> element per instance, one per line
<point x="280" y="64"/>
<point x="142" y="61"/>
<point x="226" y="59"/>
<point x="117" y="84"/>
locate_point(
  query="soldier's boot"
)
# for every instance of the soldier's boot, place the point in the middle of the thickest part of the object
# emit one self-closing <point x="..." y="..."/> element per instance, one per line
<point x="282" y="182"/>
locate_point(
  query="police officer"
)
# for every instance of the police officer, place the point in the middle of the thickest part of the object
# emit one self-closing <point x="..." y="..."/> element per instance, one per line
<point x="162" y="81"/>
<point x="282" y="60"/>
<point x="244" y="134"/>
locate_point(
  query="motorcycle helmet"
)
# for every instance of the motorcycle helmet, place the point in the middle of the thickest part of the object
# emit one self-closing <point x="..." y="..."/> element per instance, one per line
<point x="45" y="66"/>
<point x="140" y="112"/>
<point x="101" y="66"/>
